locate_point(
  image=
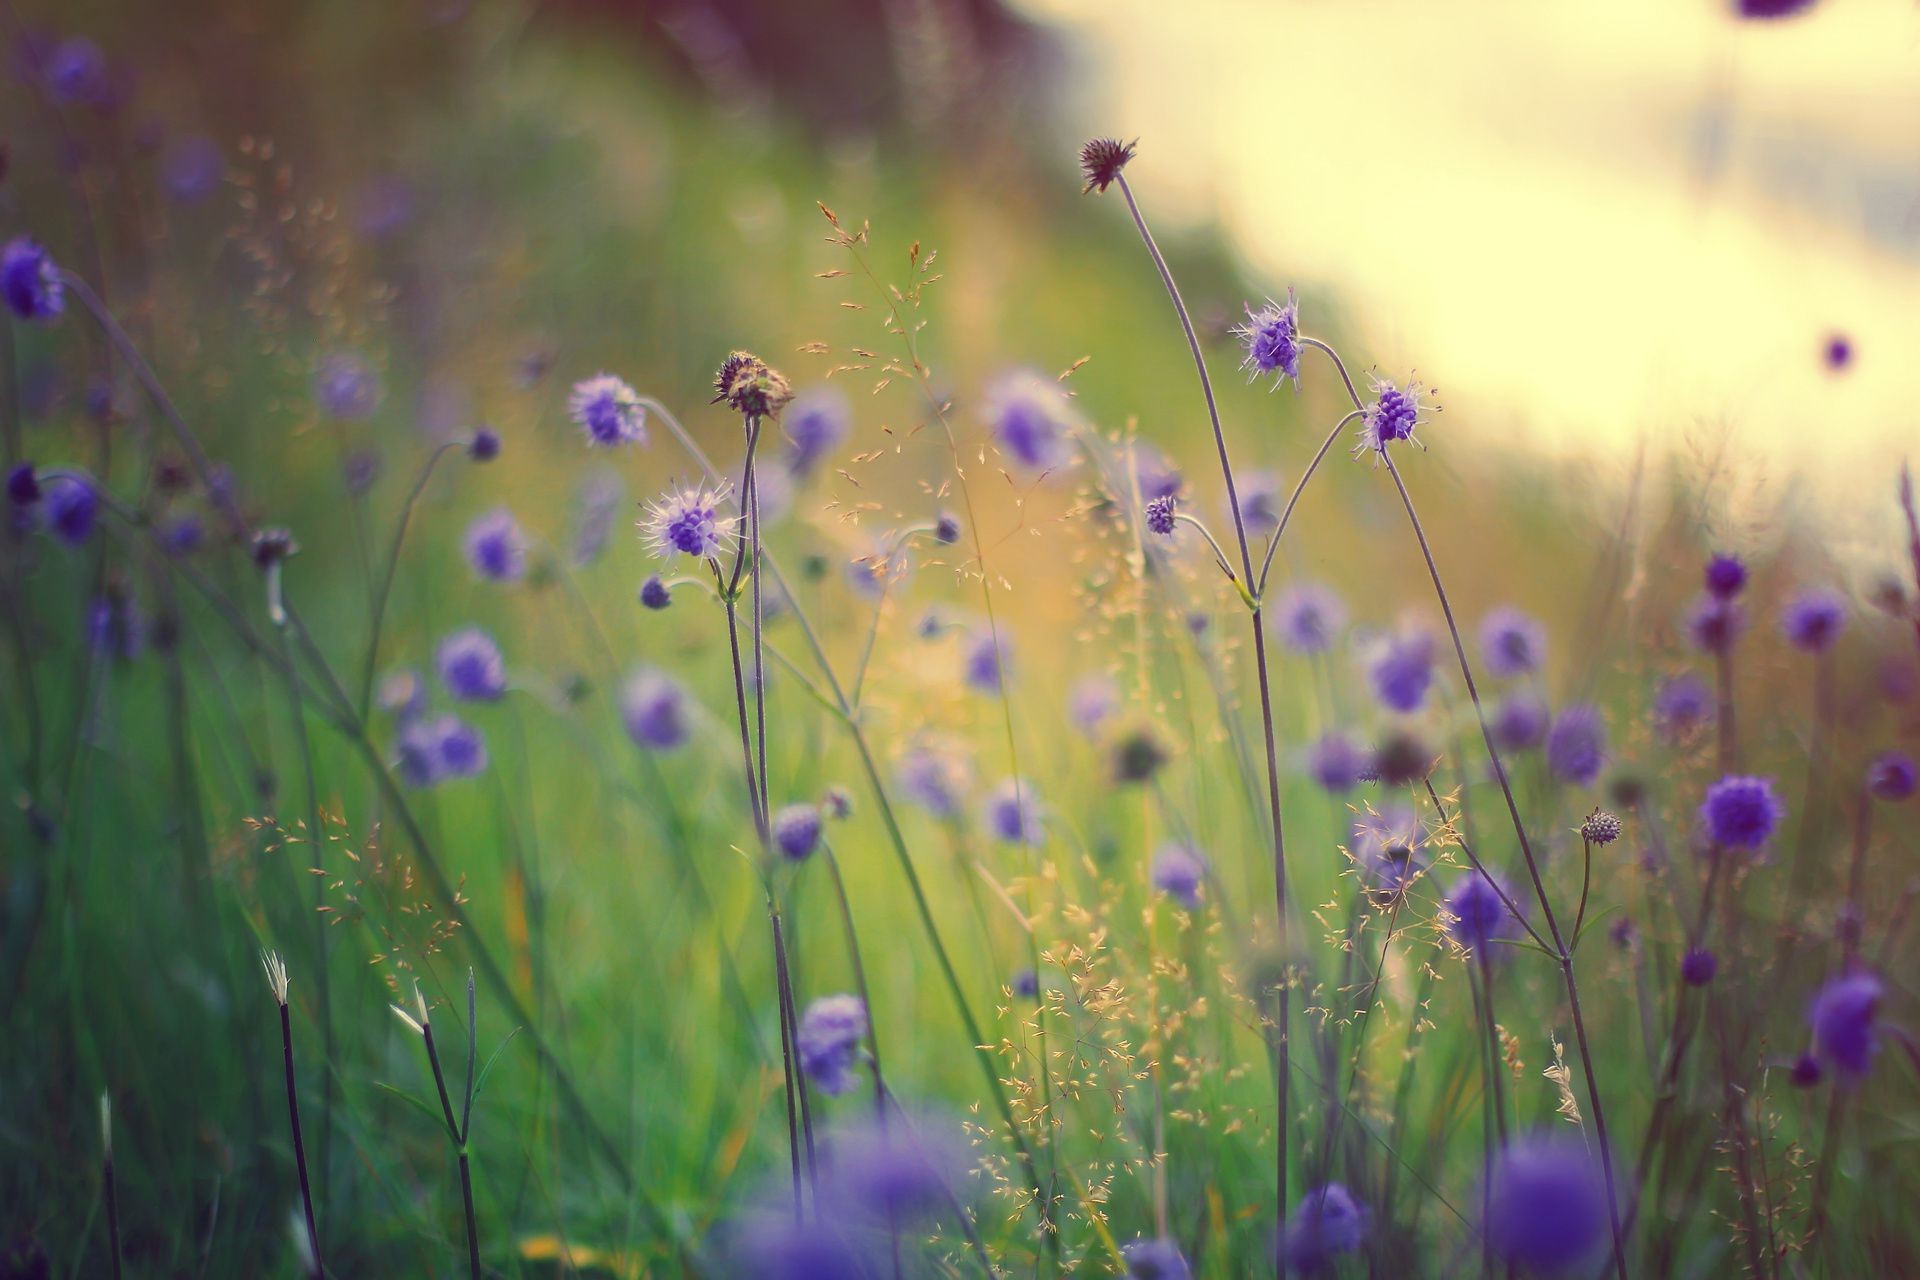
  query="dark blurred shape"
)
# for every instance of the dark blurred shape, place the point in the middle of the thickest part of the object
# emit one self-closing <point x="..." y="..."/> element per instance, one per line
<point x="1764" y="9"/>
<point x="1839" y="352"/>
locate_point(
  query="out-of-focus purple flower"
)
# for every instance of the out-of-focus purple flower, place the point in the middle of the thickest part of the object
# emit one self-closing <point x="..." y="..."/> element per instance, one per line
<point x="496" y="547"/>
<point x="1837" y="352"/>
<point x="1765" y="10"/>
<point x="1741" y="812"/>
<point x="76" y="71"/>
<point x="192" y="167"/>
<point x="654" y="593"/>
<point x="1272" y="338"/>
<point x="471" y="667"/>
<point x="816" y="423"/>
<point x="653" y="707"/>
<point x="462" y="751"/>
<point x="1519" y="722"/>
<point x="1512" y="643"/>
<point x="1546" y="1202"/>
<point x="1891" y="776"/>
<point x="1725" y="576"/>
<point x="1395" y="413"/>
<point x="485" y="445"/>
<point x="346" y="387"/>
<point x="688" y="522"/>
<point x="1337" y="762"/>
<point x="1403" y="671"/>
<point x="1026" y="984"/>
<point x="608" y="410"/>
<point x="903" y="1171"/>
<point x="1327" y="1223"/>
<point x="1030" y="419"/>
<point x="773" y="1245"/>
<point x="1478" y="914"/>
<point x="1160" y="516"/>
<point x="933" y="773"/>
<point x="1698" y="966"/>
<point x="1309" y="617"/>
<point x="1681" y="705"/>
<point x="1179" y="870"/>
<point x="1014" y="815"/>
<point x="116" y="626"/>
<point x="1845" y="1018"/>
<point x="946" y="529"/>
<point x="402" y="693"/>
<point x="1259" y="492"/>
<point x="1092" y="701"/>
<point x="1577" y="744"/>
<point x="1401" y="759"/>
<point x="183" y="534"/>
<point x="599" y="501"/>
<point x="1386" y="849"/>
<point x="796" y="831"/>
<point x="1154" y="1260"/>
<point x="1814" y="619"/>
<point x="1137" y="755"/>
<point x="431" y="750"/>
<point x="1714" y="624"/>
<point x="30" y="281"/>
<point x="360" y="470"/>
<point x="829" y="1039"/>
<point x="985" y="661"/>
<point x="72" y="508"/>
<point x="23" y="485"/>
<point x="1807" y="1071"/>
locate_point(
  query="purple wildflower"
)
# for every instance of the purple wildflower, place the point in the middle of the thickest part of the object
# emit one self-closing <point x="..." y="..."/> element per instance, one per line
<point x="985" y="664"/>
<point x="30" y="280"/>
<point x="608" y="410"/>
<point x="1681" y="705"/>
<point x="688" y="522"/>
<point x="1837" y="352"/>
<point x="346" y="387"/>
<point x="360" y="471"/>
<point x="1029" y="417"/>
<point x="1160" y="516"/>
<point x="1337" y="762"/>
<point x="1698" y="966"/>
<point x="471" y="667"/>
<point x="1512" y="643"/>
<point x="1577" y="744"/>
<point x="1154" y="1260"/>
<point x="1403" y="671"/>
<point x="485" y="444"/>
<point x="23" y="486"/>
<point x="1272" y="338"/>
<point x="1395" y="414"/>
<point x="496" y="547"/>
<point x="1714" y="624"/>
<point x="462" y="751"/>
<point x="1026" y="984"/>
<point x="1814" y="619"/>
<point x="1546" y="1202"/>
<point x="654" y="593"/>
<point x="1309" y="617"/>
<point x="1726" y="577"/>
<point x="1179" y="870"/>
<point x="1845" y="1019"/>
<point x="1519" y="722"/>
<point x="1013" y="815"/>
<point x="829" y="1039"/>
<point x="1092" y="701"/>
<point x="1386" y="849"/>
<point x="1741" y="812"/>
<point x="182" y="535"/>
<point x="76" y="71"/>
<point x="1891" y="776"/>
<point x="796" y="831"/>
<point x="72" y="508"/>
<point x="1807" y="1071"/>
<point x="432" y="750"/>
<point x="946" y="529"/>
<point x="653" y="707"/>
<point x="816" y="423"/>
<point x="1327" y="1223"/>
<point x="191" y="168"/>
<point x="1478" y="913"/>
<point x="1158" y="477"/>
<point x="933" y="773"/>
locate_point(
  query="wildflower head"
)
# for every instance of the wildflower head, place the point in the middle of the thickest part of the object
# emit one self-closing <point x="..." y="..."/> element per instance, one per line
<point x="1681" y="705"/>
<point x="433" y="749"/>
<point x="272" y="546"/>
<point x="1179" y="870"/>
<point x="485" y="444"/>
<point x="1837" y="352"/>
<point x="985" y="661"/>
<point x="1309" y="617"/>
<point x="1029" y="418"/>
<point x="1741" y="812"/>
<point x="1577" y="744"/>
<point x="1026" y="984"/>
<point x="1478" y="914"/>
<point x="946" y="529"/>
<point x="653" y="707"/>
<point x="1013" y="815"/>
<point x="1337" y="762"/>
<point x="688" y="522"/>
<point x="1102" y="159"/>
<point x="934" y="774"/>
<point x="1519" y="721"/>
<point x="1092" y="701"/>
<point x="471" y="667"/>
<point x="76" y="71"/>
<point x="1158" y="1259"/>
<point x="816" y="424"/>
<point x="1395" y="413"/>
<point x="1845" y="1019"/>
<point x="1402" y="671"/>
<point x="1511" y="643"/>
<point x="1272" y="338"/>
<point x="1402" y="759"/>
<point x="1137" y="755"/>
<point x="30" y="281"/>
<point x="496" y="548"/>
<point x="1891" y="776"/>
<point x="891" y="1173"/>
<point x="1715" y="624"/>
<point x="608" y="410"/>
<point x="654" y="593"/>
<point x="796" y="831"/>
<point x="1698" y="966"/>
<point x="1813" y="620"/>
<point x="1160" y="515"/>
<point x="402" y="693"/>
<point x="23" y="485"/>
<point x="1806" y="1071"/>
<point x="1327" y="1223"/>
<point x="1726" y="576"/>
<point x="1386" y="848"/>
<point x="72" y="508"/>
<point x="1600" y="827"/>
<point x="751" y="386"/>
<point x="346" y="387"/>
<point x="1546" y="1202"/>
<point x="829" y="1039"/>
<point x="191" y="168"/>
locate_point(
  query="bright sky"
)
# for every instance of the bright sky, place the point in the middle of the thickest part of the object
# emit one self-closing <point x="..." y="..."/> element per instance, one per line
<point x="1594" y="222"/>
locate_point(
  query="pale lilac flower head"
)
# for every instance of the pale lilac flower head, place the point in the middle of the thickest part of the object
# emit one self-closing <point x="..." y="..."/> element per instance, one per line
<point x="1403" y="671"/>
<point x="1681" y="705"/>
<point x="72" y="508"/>
<point x="1845" y="1018"/>
<point x="1092" y="701"/>
<point x="1546" y="1202"/>
<point x="829" y="1039"/>
<point x="1478" y="914"/>
<point x="76" y="71"/>
<point x="653" y="707"/>
<point x="608" y="410"/>
<point x="1179" y="871"/>
<point x="1272" y="339"/>
<point x="1013" y="815"/>
<point x="1814" y="619"/>
<point x="1337" y="762"/>
<point x="1512" y="643"/>
<point x="796" y="831"/>
<point x="1395" y="413"/>
<point x="934" y="774"/>
<point x="1327" y="1223"/>
<point x="1386" y="851"/>
<point x="985" y="661"/>
<point x="1891" y="776"/>
<point x="1741" y="812"/>
<point x="434" y="749"/>
<point x="599" y="500"/>
<point x="496" y="547"/>
<point x="346" y="387"/>
<point x="30" y="281"/>
<point x="1519" y="722"/>
<point x="1158" y="1259"/>
<point x="471" y="667"/>
<point x="689" y="522"/>
<point x="1309" y="617"/>
<point x="1577" y="744"/>
<point x="1030" y="420"/>
<point x="904" y="1171"/>
<point x="816" y="423"/>
<point x="1160" y="515"/>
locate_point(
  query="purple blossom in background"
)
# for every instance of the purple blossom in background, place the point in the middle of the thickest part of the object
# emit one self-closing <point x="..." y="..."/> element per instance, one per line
<point x="1512" y="643"/>
<point x="773" y="1245"/>
<point x="903" y="1171"/>
<point x="1741" y="812"/>
<point x="432" y="750"/>
<point x="1154" y="1260"/>
<point x="183" y="534"/>
<point x="1029" y="417"/>
<point x="1403" y="671"/>
<point x="1327" y="1223"/>
<point x="346" y="387"/>
<point x="933" y="773"/>
<point x="1386" y="849"/>
<point x="1259" y="491"/>
<point x="1013" y="815"/>
<point x="1092" y="701"/>
<point x="1337" y="762"/>
<point x="1837" y="352"/>
<point x="1577" y="744"/>
<point x="1546" y="1202"/>
<point x="984" y="662"/>
<point x="1681" y="705"/>
<point x="1725" y="577"/>
<point x="816" y="424"/>
<point x="1845" y="1017"/>
<point x="1395" y="414"/>
<point x="1519" y="722"/>
<point x="359" y="472"/>
<point x="471" y="667"/>
<point x="829" y="1039"/>
<point x="485" y="445"/>
<point x="72" y="508"/>
<point x="1714" y="625"/>
<point x="461" y="749"/>
<point x="1891" y="776"/>
<point x="608" y="410"/>
<point x="402" y="693"/>
<point x="192" y="168"/>
<point x="30" y="281"/>
<point x="653" y="707"/>
<point x="1479" y="915"/>
<point x="496" y="547"/>
<point x="23" y="485"/>
<point x="1026" y="984"/>
<point x="1698" y="967"/>
<point x="1272" y="339"/>
<point x="1814" y="619"/>
<point x="796" y="831"/>
<point x="76" y="72"/>
<point x="688" y="522"/>
<point x="1179" y="870"/>
<point x="1309" y="617"/>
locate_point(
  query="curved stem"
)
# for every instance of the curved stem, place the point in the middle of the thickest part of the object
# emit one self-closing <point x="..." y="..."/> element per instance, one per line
<point x="385" y="589"/>
<point x="1352" y="392"/>
<point x="1273" y="543"/>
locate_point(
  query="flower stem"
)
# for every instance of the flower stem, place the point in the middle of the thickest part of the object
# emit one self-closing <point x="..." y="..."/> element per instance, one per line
<point x="299" y="1145"/>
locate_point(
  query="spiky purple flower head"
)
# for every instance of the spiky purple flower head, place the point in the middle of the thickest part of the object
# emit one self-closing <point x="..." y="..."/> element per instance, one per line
<point x="1309" y="617"/>
<point x="816" y="423"/>
<point x="1600" y="827"/>
<point x="1512" y="643"/>
<point x="1891" y="776"/>
<point x="1519" y="721"/>
<point x="1681" y="705"/>
<point x="1337" y="762"/>
<point x="1395" y="413"/>
<point x="1577" y="744"/>
<point x="1179" y="870"/>
<point x="1479" y="915"/>
<point x="653" y="707"/>
<point x="985" y="661"/>
<point x="1725" y="576"/>
<point x="654" y="593"/>
<point x="829" y="1039"/>
<point x="1546" y="1202"/>
<point x="1160" y="515"/>
<point x="1158" y="1259"/>
<point x="1698" y="967"/>
<point x="1013" y="814"/>
<point x="346" y="387"/>
<point x="496" y="547"/>
<point x="1714" y="624"/>
<point x="470" y="666"/>
<point x="688" y="522"/>
<point x="1271" y="336"/>
<point x="1101" y="160"/>
<point x="1741" y="812"/>
<point x="608" y="410"/>
<point x="1030" y="419"/>
<point x="1845" y="1018"/>
<point x="796" y="831"/>
<point x="30" y="281"/>
<point x="1326" y="1224"/>
<point x="934" y="774"/>
<point x="1814" y="619"/>
<point x="72" y="508"/>
<point x="1403" y="671"/>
